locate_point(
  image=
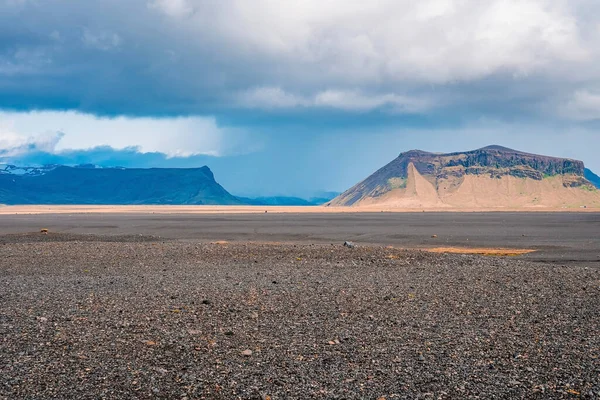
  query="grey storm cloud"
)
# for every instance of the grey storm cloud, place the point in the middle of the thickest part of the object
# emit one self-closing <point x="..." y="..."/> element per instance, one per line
<point x="181" y="57"/>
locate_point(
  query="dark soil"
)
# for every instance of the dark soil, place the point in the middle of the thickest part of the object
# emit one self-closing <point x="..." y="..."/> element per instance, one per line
<point x="90" y="319"/>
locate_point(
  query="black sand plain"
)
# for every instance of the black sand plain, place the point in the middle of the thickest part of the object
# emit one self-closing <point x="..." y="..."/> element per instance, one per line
<point x="149" y="306"/>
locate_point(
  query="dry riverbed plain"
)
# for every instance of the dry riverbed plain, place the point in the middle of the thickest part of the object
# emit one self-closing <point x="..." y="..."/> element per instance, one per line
<point x="259" y="306"/>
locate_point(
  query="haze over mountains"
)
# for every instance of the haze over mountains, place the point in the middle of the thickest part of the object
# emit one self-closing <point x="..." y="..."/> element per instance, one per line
<point x="493" y="177"/>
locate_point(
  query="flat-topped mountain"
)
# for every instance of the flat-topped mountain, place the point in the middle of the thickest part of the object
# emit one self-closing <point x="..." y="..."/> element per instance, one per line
<point x="490" y="177"/>
<point x="92" y="185"/>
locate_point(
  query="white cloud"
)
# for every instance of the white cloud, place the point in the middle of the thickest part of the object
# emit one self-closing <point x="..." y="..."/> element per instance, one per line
<point x="173" y="8"/>
<point x="583" y="105"/>
<point x="269" y="98"/>
<point x="13" y="144"/>
<point x="356" y="101"/>
<point x="101" y="41"/>
<point x="57" y="131"/>
<point x="435" y="41"/>
<point x="349" y="100"/>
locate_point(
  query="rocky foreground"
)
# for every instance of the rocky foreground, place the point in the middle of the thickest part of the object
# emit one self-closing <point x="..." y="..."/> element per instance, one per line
<point x="136" y="317"/>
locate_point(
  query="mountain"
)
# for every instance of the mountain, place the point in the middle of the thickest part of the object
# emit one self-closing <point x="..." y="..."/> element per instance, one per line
<point x="592" y="177"/>
<point x="92" y="185"/>
<point x="493" y="177"/>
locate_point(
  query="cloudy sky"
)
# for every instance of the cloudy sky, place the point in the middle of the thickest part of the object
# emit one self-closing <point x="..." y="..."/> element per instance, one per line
<point x="294" y="97"/>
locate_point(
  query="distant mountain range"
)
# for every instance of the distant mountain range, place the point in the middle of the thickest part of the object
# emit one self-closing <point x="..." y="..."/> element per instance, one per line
<point x="89" y="184"/>
<point x="493" y="177"/>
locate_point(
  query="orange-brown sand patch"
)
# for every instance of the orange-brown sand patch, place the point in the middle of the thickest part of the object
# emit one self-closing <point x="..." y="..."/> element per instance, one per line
<point x="481" y="251"/>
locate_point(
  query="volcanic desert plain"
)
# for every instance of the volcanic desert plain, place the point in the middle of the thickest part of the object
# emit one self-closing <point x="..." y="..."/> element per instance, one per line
<point x="268" y="303"/>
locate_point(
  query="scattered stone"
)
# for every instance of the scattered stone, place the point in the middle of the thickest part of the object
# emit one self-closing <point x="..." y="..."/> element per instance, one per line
<point x="342" y="327"/>
<point x="433" y="236"/>
<point x="350" y="245"/>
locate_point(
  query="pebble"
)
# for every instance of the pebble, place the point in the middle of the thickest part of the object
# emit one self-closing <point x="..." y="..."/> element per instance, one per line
<point x="107" y="329"/>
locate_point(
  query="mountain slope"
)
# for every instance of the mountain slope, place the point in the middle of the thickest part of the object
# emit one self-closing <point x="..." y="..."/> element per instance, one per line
<point x="491" y="177"/>
<point x="592" y="177"/>
<point x="77" y="185"/>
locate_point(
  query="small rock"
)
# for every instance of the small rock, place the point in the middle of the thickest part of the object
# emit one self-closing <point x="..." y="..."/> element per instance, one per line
<point x="350" y="245"/>
<point x="206" y="301"/>
<point x="42" y="319"/>
<point x="247" y="353"/>
<point x="421" y="358"/>
<point x="433" y="236"/>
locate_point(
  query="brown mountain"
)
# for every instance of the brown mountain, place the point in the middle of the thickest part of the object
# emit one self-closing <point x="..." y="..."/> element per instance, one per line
<point x="493" y="177"/>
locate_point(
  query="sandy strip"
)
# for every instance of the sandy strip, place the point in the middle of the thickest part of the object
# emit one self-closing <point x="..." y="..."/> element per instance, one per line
<point x="171" y="209"/>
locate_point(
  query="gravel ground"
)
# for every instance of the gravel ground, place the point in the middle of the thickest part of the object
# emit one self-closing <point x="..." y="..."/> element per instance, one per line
<point x="92" y="317"/>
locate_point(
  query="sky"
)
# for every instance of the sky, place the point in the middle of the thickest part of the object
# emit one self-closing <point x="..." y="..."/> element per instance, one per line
<point x="294" y="97"/>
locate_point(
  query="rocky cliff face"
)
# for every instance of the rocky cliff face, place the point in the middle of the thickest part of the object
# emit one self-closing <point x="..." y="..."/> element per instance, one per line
<point x="446" y="172"/>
